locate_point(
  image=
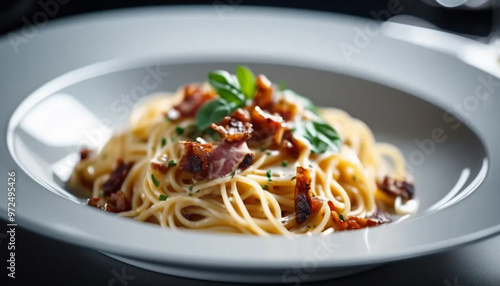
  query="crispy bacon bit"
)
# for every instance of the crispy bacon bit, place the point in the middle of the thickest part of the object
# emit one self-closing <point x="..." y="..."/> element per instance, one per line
<point x="227" y="156"/>
<point x="353" y="222"/>
<point x="96" y="202"/>
<point x="85" y="153"/>
<point x="195" y="95"/>
<point x="117" y="203"/>
<point x="285" y="108"/>
<point x="263" y="96"/>
<point x="264" y="124"/>
<point x="241" y="115"/>
<point x="233" y="130"/>
<point x="315" y="204"/>
<point x="290" y="145"/>
<point x="395" y="188"/>
<point x="115" y="181"/>
<point x="302" y="194"/>
<point x="160" y="163"/>
<point x="196" y="159"/>
<point x="247" y="161"/>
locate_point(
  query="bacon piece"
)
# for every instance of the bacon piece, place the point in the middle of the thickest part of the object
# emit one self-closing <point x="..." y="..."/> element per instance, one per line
<point x="302" y="194"/>
<point x="247" y="161"/>
<point x="315" y="204"/>
<point x="227" y="156"/>
<point x="85" y="153"/>
<point x="290" y="145"/>
<point x="233" y="130"/>
<point x="285" y="108"/>
<point x="263" y="96"/>
<point x="395" y="188"/>
<point x="196" y="159"/>
<point x="353" y="222"/>
<point x="195" y="95"/>
<point x="117" y="203"/>
<point x="115" y="181"/>
<point x="241" y="114"/>
<point x="264" y="124"/>
<point x="160" y="163"/>
<point x="96" y="202"/>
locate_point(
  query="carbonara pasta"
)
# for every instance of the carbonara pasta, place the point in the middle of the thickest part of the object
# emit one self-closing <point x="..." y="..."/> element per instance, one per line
<point x="237" y="154"/>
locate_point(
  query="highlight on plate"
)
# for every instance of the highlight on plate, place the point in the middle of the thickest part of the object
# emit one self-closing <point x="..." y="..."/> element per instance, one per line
<point x="240" y="154"/>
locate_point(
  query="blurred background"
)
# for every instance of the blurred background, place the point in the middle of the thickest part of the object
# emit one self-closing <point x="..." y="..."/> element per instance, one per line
<point x="471" y="18"/>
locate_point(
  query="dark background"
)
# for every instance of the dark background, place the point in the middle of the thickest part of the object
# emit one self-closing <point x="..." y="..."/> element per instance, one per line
<point x="463" y="20"/>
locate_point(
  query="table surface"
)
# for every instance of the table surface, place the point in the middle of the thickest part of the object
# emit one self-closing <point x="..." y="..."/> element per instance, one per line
<point x="44" y="261"/>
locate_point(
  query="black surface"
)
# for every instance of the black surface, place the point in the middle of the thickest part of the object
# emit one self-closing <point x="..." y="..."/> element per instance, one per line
<point x="17" y="13"/>
<point x="43" y="261"/>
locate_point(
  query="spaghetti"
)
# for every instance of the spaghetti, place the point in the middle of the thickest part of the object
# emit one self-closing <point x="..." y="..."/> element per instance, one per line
<point x="239" y="155"/>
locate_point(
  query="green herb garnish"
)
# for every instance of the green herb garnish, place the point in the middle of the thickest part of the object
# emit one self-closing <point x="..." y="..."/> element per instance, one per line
<point x="265" y="187"/>
<point x="233" y="173"/>
<point x="247" y="81"/>
<point x="320" y="136"/>
<point x="172" y="163"/>
<point x="163" y="142"/>
<point x="341" y="216"/>
<point x="233" y="92"/>
<point x="284" y="163"/>
<point x="293" y="178"/>
<point x="268" y="174"/>
<point x="155" y="181"/>
<point x="197" y="191"/>
<point x="172" y="139"/>
<point x="190" y="188"/>
<point x="163" y="197"/>
<point x="179" y="130"/>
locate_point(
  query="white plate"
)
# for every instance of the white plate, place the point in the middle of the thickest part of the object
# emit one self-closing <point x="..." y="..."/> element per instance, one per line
<point x="401" y="89"/>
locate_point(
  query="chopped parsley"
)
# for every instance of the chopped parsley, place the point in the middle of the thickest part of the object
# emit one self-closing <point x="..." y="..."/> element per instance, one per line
<point x="197" y="191"/>
<point x="268" y="153"/>
<point x="284" y="163"/>
<point x="191" y="188"/>
<point x="268" y="174"/>
<point x="293" y="178"/>
<point x="163" y="197"/>
<point x="233" y="173"/>
<point x="172" y="163"/>
<point x="262" y="149"/>
<point x="341" y="216"/>
<point x="163" y="142"/>
<point x="172" y="139"/>
<point x="265" y="187"/>
<point x="155" y="181"/>
<point x="179" y="130"/>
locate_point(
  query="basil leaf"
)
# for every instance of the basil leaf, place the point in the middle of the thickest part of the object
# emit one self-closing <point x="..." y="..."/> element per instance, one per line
<point x="212" y="112"/>
<point x="306" y="102"/>
<point x="247" y="81"/>
<point x="319" y="136"/>
<point x="226" y="86"/>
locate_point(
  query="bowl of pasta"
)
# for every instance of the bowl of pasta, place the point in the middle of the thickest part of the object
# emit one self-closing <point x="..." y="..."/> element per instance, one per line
<point x="304" y="158"/>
